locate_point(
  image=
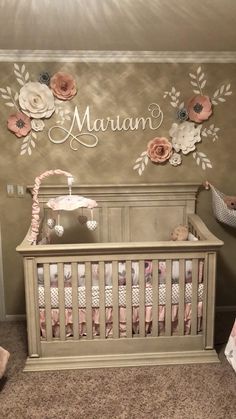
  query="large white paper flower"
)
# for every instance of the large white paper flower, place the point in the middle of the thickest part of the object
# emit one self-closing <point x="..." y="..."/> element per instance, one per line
<point x="36" y="100"/>
<point x="185" y="136"/>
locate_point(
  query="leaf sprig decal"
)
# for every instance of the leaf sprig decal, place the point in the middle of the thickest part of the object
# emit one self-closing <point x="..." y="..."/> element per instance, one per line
<point x="141" y="163"/>
<point x="198" y="81"/>
<point x="21" y="76"/>
<point x="7" y="94"/>
<point x="211" y="131"/>
<point x="219" y="94"/>
<point x="174" y="96"/>
<point x="63" y="114"/>
<point x="28" y="143"/>
<point x="202" y="160"/>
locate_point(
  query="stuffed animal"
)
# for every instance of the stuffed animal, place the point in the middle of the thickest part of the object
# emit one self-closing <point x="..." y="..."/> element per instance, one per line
<point x="180" y="233"/>
<point x="230" y="201"/>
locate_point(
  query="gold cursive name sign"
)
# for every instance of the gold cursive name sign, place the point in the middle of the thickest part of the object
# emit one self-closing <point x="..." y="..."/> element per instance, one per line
<point x="88" y="129"/>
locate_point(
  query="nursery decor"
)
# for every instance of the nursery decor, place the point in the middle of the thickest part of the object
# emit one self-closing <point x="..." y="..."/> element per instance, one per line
<point x="221" y="205"/>
<point x="190" y="126"/>
<point x="50" y="104"/>
<point x="66" y="202"/>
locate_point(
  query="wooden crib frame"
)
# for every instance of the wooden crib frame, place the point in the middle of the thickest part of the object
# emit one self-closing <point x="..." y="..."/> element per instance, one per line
<point x="120" y="210"/>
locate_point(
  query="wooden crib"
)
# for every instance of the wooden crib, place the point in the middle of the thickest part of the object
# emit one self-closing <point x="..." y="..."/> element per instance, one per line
<point x="134" y="226"/>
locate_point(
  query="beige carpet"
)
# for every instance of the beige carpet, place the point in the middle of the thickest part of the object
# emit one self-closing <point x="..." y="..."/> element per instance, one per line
<point x="162" y="392"/>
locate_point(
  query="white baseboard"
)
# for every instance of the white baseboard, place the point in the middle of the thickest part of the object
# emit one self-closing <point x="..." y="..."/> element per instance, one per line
<point x="15" y="317"/>
<point x="221" y="309"/>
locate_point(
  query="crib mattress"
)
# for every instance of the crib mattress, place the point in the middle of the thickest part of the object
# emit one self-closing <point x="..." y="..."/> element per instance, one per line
<point x="122" y="295"/>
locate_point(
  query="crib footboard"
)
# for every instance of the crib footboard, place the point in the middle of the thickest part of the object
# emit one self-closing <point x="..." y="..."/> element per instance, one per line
<point x="120" y="305"/>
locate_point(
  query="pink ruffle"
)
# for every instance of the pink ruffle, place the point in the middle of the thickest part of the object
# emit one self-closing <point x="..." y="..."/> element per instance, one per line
<point x="122" y="320"/>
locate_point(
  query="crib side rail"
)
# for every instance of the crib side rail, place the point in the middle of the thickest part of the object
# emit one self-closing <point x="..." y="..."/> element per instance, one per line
<point x="200" y="230"/>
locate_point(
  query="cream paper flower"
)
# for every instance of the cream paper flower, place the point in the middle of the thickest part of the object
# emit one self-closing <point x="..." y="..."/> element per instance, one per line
<point x="36" y="100"/>
<point x="185" y="136"/>
<point x="37" y="124"/>
<point x="175" y="159"/>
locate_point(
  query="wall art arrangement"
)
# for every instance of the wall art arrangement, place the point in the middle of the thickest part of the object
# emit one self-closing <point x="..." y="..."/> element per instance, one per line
<point x="41" y="97"/>
<point x="190" y="127"/>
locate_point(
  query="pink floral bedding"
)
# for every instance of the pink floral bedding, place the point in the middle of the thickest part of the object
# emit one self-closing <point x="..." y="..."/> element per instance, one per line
<point x="230" y="350"/>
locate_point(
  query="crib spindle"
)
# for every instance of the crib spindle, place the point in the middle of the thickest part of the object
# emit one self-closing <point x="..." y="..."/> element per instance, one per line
<point x="102" y="309"/>
<point x="155" y="297"/>
<point x="141" y="299"/>
<point x="128" y="300"/>
<point x="88" y="292"/>
<point x="181" y="306"/>
<point x="195" y="264"/>
<point x="75" y="312"/>
<point x="115" y="300"/>
<point x="168" y="298"/>
<point x="61" y="299"/>
<point x="47" y="297"/>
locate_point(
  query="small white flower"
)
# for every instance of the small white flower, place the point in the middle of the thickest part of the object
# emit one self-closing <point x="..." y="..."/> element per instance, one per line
<point x="37" y="124"/>
<point x="175" y="159"/>
<point x="184" y="136"/>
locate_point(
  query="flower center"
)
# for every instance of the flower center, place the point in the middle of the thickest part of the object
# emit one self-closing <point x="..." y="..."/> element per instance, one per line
<point x="198" y="108"/>
<point x="64" y="86"/>
<point x="20" y="123"/>
<point x="160" y="150"/>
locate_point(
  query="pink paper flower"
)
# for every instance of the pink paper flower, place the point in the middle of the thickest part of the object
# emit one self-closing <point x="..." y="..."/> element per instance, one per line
<point x="199" y="108"/>
<point x="159" y="150"/>
<point x="63" y="86"/>
<point x="19" y="123"/>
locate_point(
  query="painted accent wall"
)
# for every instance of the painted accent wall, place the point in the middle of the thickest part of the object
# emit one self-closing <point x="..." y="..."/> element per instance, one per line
<point x="124" y="89"/>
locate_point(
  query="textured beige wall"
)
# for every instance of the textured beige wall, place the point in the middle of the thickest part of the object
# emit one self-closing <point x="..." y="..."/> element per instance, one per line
<point x="125" y="89"/>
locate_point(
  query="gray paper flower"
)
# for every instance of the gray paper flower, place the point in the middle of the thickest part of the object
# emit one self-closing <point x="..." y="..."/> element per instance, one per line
<point x="44" y="78"/>
<point x="182" y="114"/>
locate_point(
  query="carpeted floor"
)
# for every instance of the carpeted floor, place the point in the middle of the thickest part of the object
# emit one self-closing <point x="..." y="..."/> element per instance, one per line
<point x="205" y="391"/>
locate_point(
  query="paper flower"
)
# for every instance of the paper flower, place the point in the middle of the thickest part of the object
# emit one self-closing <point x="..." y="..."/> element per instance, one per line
<point x="159" y="150"/>
<point x="44" y="78"/>
<point x="19" y="123"/>
<point x="175" y="159"/>
<point x="182" y="114"/>
<point x="185" y="136"/>
<point x="37" y="124"/>
<point x="199" y="108"/>
<point x="36" y="100"/>
<point x="63" y="86"/>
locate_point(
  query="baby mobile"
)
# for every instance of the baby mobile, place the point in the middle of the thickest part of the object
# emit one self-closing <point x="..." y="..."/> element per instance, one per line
<point x="60" y="203"/>
<point x="189" y="129"/>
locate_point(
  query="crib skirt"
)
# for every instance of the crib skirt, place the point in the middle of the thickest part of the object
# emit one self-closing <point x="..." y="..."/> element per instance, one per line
<point x="122" y="320"/>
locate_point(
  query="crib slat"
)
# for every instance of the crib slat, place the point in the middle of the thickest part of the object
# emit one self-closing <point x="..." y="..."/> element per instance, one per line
<point x="168" y="298"/>
<point x="128" y="299"/>
<point x="155" y="297"/>
<point x="181" y="297"/>
<point x="61" y="298"/>
<point x="115" y="300"/>
<point x="195" y="263"/>
<point x="75" y="311"/>
<point x="88" y="291"/>
<point x="102" y="313"/>
<point x="47" y="298"/>
<point x="141" y="299"/>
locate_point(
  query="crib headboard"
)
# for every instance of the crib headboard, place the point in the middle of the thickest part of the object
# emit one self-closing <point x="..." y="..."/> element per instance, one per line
<point x="125" y="213"/>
